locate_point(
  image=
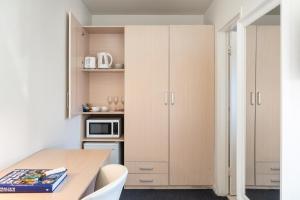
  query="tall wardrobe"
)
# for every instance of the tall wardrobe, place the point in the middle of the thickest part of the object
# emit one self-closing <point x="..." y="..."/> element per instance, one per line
<point x="168" y="86"/>
<point x="169" y="105"/>
<point x="263" y="106"/>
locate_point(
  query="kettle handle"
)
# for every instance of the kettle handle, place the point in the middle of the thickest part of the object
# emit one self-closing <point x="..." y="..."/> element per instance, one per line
<point x="111" y="59"/>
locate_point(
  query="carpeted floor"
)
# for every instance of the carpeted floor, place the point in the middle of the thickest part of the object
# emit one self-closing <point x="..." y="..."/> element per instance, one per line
<point x="169" y="195"/>
<point x="263" y="194"/>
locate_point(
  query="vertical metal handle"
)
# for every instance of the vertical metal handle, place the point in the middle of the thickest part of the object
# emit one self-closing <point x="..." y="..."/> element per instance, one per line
<point x="252" y="98"/>
<point x="67" y="103"/>
<point x="258" y="98"/>
<point x="166" y="98"/>
<point x="172" y="98"/>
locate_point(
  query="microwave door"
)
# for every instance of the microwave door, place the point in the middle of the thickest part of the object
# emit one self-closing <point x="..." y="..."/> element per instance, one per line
<point x="100" y="129"/>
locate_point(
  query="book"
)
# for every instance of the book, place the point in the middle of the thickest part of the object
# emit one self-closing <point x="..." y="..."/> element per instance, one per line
<point x="30" y="181"/>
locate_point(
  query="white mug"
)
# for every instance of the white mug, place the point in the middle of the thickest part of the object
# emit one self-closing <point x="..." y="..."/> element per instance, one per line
<point x="90" y="62"/>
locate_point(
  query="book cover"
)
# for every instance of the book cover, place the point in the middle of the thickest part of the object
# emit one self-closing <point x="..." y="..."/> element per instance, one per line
<point x="30" y="180"/>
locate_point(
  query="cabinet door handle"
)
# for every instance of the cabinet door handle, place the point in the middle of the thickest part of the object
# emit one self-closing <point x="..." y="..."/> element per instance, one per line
<point x="172" y="98"/>
<point x="146" y="180"/>
<point x="252" y="98"/>
<point x="258" y="98"/>
<point x="67" y="103"/>
<point x="275" y="169"/>
<point x="146" y="168"/>
<point x="275" y="181"/>
<point x="166" y="98"/>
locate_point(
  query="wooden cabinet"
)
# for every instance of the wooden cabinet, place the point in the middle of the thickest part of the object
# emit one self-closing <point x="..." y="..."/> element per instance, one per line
<point x="268" y="94"/>
<point x="250" y="103"/>
<point x="263" y="105"/>
<point x="146" y="86"/>
<point x="192" y="107"/>
<point x="77" y="81"/>
<point x="147" y="167"/>
<point x="94" y="85"/>
<point x="169" y="109"/>
<point x="168" y="85"/>
<point x="147" y="179"/>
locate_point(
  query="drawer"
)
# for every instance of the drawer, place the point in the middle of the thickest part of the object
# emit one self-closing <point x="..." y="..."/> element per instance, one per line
<point x="267" y="180"/>
<point x="147" y="179"/>
<point x="268" y="168"/>
<point x="147" y="167"/>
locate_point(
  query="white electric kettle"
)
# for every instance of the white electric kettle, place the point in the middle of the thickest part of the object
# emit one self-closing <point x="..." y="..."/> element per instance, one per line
<point x="103" y="58"/>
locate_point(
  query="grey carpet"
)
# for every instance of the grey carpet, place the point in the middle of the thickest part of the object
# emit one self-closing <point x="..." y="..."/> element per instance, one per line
<point x="169" y="195"/>
<point x="263" y="194"/>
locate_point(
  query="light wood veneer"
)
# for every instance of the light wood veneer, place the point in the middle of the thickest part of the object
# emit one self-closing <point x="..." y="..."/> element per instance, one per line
<point x="268" y="84"/>
<point x="192" y="114"/>
<point x="146" y="84"/>
<point x="251" y="104"/>
<point x="83" y="167"/>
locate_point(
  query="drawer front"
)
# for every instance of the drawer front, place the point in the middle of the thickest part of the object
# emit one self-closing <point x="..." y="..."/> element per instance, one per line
<point x="147" y="167"/>
<point x="147" y="179"/>
<point x="268" y="168"/>
<point x="267" y="180"/>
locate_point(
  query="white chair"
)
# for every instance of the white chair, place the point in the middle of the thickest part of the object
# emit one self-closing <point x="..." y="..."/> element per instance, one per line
<point x="111" y="180"/>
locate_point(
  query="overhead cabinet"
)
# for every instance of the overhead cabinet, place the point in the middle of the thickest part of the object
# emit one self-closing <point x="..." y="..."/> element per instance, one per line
<point x="169" y="107"/>
<point x="77" y="82"/>
<point x="93" y="86"/>
<point x="263" y="106"/>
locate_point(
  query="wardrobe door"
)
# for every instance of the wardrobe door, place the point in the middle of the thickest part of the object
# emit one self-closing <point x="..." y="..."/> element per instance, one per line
<point x="146" y="94"/>
<point x="192" y="105"/>
<point x="268" y="94"/>
<point x="77" y="93"/>
<point x="250" y="105"/>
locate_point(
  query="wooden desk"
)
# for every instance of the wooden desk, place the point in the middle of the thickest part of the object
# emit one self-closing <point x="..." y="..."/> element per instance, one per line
<point x="82" y="165"/>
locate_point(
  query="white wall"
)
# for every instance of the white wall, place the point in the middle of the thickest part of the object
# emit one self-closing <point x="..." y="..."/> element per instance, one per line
<point x="33" y="76"/>
<point x="146" y="19"/>
<point x="220" y="13"/>
<point x="290" y="105"/>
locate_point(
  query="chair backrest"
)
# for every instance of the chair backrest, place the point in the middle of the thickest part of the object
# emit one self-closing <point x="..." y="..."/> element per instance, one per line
<point x="111" y="180"/>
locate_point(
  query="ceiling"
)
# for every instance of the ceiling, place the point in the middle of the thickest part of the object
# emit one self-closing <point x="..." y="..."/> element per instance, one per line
<point x="147" y="7"/>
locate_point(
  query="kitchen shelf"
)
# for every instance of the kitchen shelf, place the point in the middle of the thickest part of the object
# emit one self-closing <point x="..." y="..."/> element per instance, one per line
<point x="121" y="139"/>
<point x="103" y="113"/>
<point x="103" y="70"/>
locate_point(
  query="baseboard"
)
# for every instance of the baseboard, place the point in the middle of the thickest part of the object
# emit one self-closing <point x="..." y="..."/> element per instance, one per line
<point x="218" y="193"/>
<point x="231" y="197"/>
<point x="169" y="187"/>
<point x="263" y="187"/>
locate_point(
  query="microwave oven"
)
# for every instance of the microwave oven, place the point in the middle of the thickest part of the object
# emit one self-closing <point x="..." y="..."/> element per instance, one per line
<point x="103" y="128"/>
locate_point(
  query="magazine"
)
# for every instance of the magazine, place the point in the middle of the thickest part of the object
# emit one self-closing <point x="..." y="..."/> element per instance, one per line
<point x="30" y="180"/>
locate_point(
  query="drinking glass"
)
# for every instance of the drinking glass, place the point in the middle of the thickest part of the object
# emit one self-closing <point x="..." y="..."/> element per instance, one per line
<point x="122" y="100"/>
<point x="116" y="100"/>
<point x="109" y="100"/>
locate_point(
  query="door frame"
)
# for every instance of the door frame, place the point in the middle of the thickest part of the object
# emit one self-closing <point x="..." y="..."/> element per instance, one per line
<point x="226" y="29"/>
<point x="255" y="13"/>
<point x="231" y="145"/>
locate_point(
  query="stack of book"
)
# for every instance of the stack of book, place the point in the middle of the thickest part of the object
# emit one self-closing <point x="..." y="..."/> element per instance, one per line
<point x="32" y="180"/>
